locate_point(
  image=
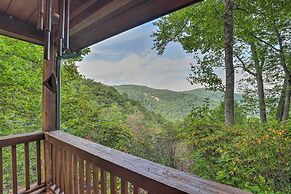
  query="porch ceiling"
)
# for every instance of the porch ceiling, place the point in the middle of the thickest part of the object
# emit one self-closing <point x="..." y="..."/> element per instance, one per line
<point x="91" y="21"/>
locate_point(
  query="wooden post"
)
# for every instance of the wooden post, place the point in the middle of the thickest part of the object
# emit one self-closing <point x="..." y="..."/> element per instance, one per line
<point x="51" y="81"/>
<point x="49" y="105"/>
<point x="49" y="97"/>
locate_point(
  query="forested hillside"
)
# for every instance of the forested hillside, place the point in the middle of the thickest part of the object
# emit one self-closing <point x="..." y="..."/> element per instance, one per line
<point x="244" y="143"/>
<point x="250" y="156"/>
<point x="170" y="104"/>
<point x="89" y="109"/>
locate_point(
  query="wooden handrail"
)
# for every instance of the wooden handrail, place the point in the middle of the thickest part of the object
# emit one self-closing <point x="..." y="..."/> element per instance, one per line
<point x="150" y="176"/>
<point x="20" y="138"/>
<point x="14" y="141"/>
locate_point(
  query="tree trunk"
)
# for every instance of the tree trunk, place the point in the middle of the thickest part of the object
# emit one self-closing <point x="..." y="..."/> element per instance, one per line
<point x="228" y="46"/>
<point x="287" y="72"/>
<point x="261" y="98"/>
<point x="260" y="83"/>
<point x="287" y="100"/>
<point x="281" y="103"/>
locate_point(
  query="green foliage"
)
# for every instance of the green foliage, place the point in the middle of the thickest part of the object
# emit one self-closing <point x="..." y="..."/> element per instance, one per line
<point x="171" y="105"/>
<point x="251" y="156"/>
<point x="20" y="83"/>
<point x="88" y="109"/>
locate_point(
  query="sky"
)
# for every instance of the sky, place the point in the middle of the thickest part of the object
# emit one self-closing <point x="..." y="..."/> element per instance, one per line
<point x="128" y="58"/>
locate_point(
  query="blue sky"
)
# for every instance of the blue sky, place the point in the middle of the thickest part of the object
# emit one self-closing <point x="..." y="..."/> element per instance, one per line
<point x="128" y="59"/>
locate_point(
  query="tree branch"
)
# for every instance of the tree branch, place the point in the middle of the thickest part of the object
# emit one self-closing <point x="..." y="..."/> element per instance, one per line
<point x="265" y="42"/>
<point x="244" y="66"/>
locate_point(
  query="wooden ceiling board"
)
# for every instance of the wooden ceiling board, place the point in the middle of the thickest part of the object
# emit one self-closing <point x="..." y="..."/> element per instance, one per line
<point x="135" y="13"/>
<point x="3" y="5"/>
<point x="91" y="21"/>
<point x="80" y="7"/>
<point x="100" y="11"/>
<point x="15" y="28"/>
<point x="33" y="18"/>
<point x="22" y="9"/>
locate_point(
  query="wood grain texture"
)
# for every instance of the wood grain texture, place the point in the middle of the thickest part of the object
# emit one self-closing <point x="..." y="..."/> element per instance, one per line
<point x="53" y="164"/>
<point x="48" y="97"/>
<point x="14" y="169"/>
<point x="19" y="29"/>
<point x="38" y="163"/>
<point x="27" y="166"/>
<point x="66" y="172"/>
<point x="70" y="172"/>
<point x="58" y="166"/>
<point x="48" y="163"/>
<point x="96" y="25"/>
<point x="81" y="176"/>
<point x="135" y="190"/>
<point x="124" y="187"/>
<point x="95" y="180"/>
<point x="91" y="21"/>
<point x="35" y="189"/>
<point x="20" y="138"/>
<point x="113" y="186"/>
<point x="150" y="176"/>
<point x="88" y="177"/>
<point x="103" y="182"/>
<point x="75" y="174"/>
<point x="62" y="177"/>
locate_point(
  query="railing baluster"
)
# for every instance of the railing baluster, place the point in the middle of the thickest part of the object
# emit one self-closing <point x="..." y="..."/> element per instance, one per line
<point x="95" y="180"/>
<point x="58" y="166"/>
<point x="26" y="159"/>
<point x="54" y="165"/>
<point x="124" y="187"/>
<point x="103" y="182"/>
<point x="75" y="174"/>
<point x="70" y="172"/>
<point x="38" y="163"/>
<point x="62" y="177"/>
<point x="88" y="177"/>
<point x="66" y="172"/>
<point x="23" y="186"/>
<point x="136" y="190"/>
<point x="81" y="176"/>
<point x="113" y="188"/>
<point x="14" y="169"/>
<point x="1" y="172"/>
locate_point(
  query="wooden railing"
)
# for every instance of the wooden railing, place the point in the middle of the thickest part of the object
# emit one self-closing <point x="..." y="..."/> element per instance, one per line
<point x="80" y="166"/>
<point x="14" y="143"/>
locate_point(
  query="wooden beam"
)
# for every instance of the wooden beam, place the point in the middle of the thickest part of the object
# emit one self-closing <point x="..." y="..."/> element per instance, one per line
<point x="153" y="177"/>
<point x="20" y="138"/>
<point x="116" y="17"/>
<point x="95" y="13"/>
<point x="19" y="29"/>
<point x="48" y="96"/>
<point x="49" y="102"/>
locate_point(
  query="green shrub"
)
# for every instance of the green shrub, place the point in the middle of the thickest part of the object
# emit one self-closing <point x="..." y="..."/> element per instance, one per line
<point x="253" y="156"/>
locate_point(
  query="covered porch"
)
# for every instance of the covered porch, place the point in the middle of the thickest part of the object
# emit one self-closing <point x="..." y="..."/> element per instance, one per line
<point x="66" y="163"/>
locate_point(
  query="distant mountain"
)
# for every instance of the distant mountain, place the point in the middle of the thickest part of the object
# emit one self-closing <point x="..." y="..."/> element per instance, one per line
<point x="170" y="104"/>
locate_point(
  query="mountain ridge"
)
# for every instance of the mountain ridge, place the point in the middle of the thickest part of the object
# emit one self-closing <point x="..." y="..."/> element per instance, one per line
<point x="173" y="105"/>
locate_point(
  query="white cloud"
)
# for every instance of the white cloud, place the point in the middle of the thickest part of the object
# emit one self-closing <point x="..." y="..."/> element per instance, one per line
<point x="143" y="69"/>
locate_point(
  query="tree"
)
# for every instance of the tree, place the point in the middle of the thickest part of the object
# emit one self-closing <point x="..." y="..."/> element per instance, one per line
<point x="251" y="57"/>
<point x="272" y="21"/>
<point x="204" y="31"/>
<point x="229" y="69"/>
